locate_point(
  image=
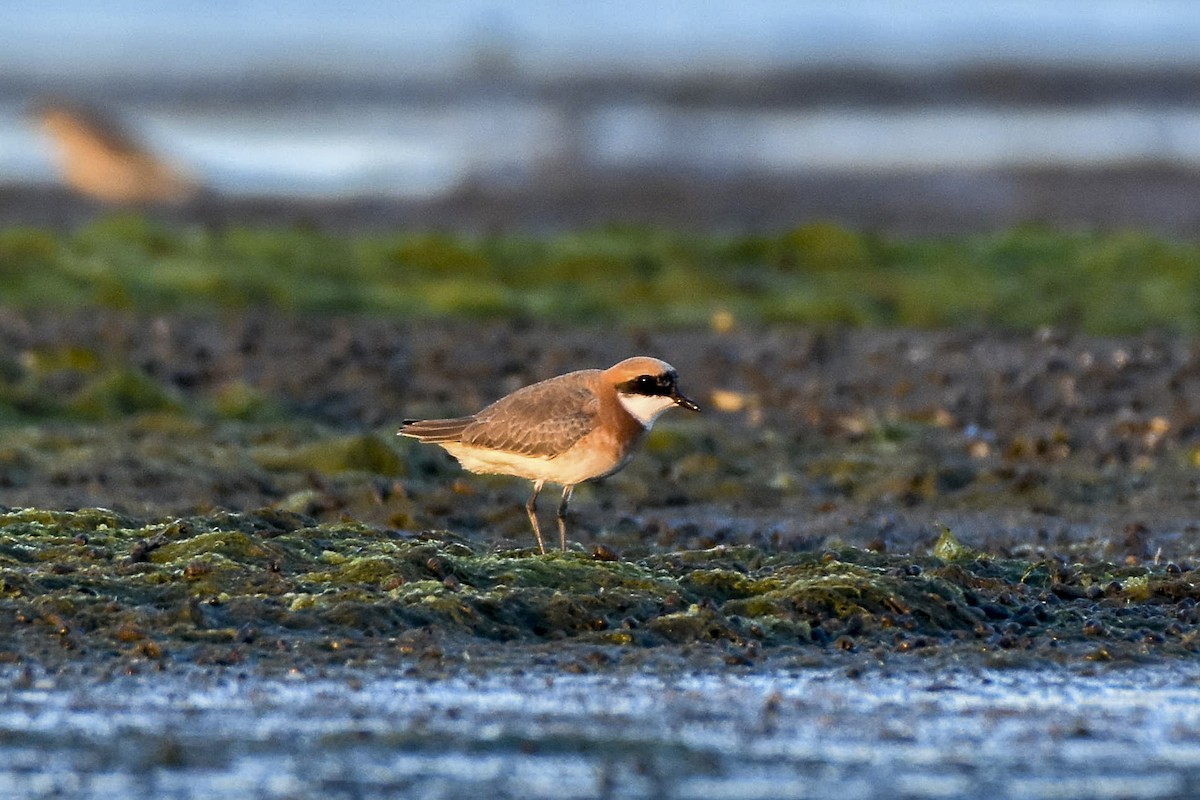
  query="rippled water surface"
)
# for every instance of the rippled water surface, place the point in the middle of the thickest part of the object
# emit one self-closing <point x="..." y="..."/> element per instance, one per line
<point x="816" y="733"/>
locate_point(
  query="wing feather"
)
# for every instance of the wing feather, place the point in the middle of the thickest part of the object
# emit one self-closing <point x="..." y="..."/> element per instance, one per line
<point x="543" y="419"/>
<point x="435" y="430"/>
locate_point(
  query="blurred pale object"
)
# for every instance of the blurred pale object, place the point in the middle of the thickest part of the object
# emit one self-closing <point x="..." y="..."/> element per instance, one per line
<point x="722" y="321"/>
<point x="100" y="159"/>
<point x="729" y="401"/>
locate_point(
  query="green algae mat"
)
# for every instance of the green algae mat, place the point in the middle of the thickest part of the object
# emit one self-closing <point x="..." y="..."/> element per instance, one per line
<point x="819" y="273"/>
<point x="172" y="372"/>
<point x="275" y="588"/>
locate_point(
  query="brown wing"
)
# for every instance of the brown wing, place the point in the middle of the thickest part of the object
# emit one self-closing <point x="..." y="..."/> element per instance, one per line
<point x="539" y="420"/>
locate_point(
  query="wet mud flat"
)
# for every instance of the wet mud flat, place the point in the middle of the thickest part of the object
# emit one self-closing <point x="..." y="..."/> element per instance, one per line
<point x="276" y="590"/>
<point x="240" y="496"/>
<point x="884" y="563"/>
<point x="1030" y="445"/>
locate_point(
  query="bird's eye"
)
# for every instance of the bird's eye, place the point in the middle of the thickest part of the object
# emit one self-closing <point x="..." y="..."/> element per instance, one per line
<point x="645" y="383"/>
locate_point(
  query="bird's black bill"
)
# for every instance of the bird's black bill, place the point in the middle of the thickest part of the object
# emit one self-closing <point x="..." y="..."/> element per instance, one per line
<point x="684" y="402"/>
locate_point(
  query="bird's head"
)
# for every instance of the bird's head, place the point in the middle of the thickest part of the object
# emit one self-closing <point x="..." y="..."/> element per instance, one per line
<point x="647" y="387"/>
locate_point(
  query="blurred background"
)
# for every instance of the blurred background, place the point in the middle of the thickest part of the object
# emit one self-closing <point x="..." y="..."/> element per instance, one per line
<point x="927" y="116"/>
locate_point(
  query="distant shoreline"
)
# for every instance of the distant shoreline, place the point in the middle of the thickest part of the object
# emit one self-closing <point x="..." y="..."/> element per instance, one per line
<point x="993" y="84"/>
<point x="1161" y="200"/>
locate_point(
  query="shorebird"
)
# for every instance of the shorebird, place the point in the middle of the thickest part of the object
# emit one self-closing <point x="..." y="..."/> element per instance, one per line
<point x="100" y="158"/>
<point x="564" y="430"/>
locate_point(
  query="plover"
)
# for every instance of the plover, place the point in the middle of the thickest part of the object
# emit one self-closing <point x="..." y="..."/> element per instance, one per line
<point x="99" y="158"/>
<point x="564" y="430"/>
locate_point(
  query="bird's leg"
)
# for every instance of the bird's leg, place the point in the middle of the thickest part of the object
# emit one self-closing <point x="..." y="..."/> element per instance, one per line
<point x="531" y="510"/>
<point x="562" y="514"/>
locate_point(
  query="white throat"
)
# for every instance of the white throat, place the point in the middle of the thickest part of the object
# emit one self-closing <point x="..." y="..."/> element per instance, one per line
<point x="645" y="408"/>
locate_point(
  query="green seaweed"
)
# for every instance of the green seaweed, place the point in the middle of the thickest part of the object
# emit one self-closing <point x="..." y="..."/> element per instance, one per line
<point x="78" y="584"/>
<point x="121" y="392"/>
<point x="356" y="453"/>
<point x="819" y="273"/>
<point x="948" y="548"/>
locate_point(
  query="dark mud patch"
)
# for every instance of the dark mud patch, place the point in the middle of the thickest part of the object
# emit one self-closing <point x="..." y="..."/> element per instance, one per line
<point x="1029" y="446"/>
<point x="278" y="589"/>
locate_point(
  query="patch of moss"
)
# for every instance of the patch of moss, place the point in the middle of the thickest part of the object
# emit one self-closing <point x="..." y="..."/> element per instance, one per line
<point x="357" y="453"/>
<point x="822" y="246"/>
<point x="815" y="274"/>
<point x="697" y="624"/>
<point x="105" y="582"/>
<point x="121" y="392"/>
<point x="721" y="585"/>
<point x="238" y="400"/>
<point x="948" y="548"/>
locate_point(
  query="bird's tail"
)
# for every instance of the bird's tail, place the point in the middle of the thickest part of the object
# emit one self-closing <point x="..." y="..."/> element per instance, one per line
<point x="435" y="430"/>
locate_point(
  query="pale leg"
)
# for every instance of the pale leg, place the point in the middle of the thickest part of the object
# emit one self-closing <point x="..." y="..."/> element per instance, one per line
<point x="562" y="515"/>
<point x="531" y="510"/>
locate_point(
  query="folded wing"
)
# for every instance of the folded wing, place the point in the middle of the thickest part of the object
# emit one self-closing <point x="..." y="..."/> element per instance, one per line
<point x="544" y="419"/>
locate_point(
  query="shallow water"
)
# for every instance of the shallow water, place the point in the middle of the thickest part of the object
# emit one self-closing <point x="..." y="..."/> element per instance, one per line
<point x="423" y="151"/>
<point x="808" y="733"/>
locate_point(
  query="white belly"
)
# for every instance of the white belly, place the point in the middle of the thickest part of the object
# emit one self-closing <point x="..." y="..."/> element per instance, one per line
<point x="578" y="464"/>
